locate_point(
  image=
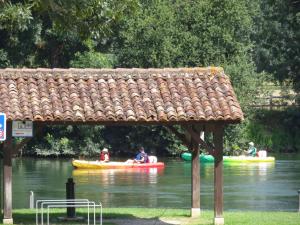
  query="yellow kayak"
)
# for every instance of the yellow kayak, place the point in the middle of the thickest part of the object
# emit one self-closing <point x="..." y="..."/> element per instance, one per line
<point x="84" y="164"/>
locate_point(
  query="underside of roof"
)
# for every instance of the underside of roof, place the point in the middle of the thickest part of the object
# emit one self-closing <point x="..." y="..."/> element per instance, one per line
<point x="119" y="95"/>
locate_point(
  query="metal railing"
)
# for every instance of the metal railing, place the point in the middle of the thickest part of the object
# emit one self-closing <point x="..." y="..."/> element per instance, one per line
<point x="31" y="200"/>
<point x="78" y="203"/>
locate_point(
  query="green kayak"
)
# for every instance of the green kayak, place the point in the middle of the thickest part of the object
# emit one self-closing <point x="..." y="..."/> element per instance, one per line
<point x="232" y="159"/>
<point x="203" y="158"/>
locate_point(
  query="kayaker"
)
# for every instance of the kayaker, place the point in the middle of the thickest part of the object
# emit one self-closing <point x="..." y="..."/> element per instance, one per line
<point x="142" y="156"/>
<point x="251" y="150"/>
<point x="104" y="155"/>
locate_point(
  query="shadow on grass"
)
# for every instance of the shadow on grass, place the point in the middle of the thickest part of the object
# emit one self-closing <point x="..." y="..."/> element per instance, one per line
<point x="109" y="218"/>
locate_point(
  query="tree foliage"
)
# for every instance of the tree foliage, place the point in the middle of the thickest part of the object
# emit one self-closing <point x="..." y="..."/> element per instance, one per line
<point x="48" y="33"/>
<point x="184" y="33"/>
<point x="92" y="58"/>
<point x="278" y="40"/>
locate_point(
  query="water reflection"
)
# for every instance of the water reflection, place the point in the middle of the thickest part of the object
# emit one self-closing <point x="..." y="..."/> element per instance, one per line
<point x="109" y="177"/>
<point x="239" y="169"/>
<point x="251" y="169"/>
<point x="117" y="187"/>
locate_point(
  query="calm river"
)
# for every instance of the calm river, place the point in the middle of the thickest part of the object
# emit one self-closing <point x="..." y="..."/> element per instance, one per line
<point x="246" y="186"/>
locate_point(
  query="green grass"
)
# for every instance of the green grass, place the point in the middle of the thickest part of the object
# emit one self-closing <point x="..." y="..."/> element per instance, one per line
<point x="262" y="218"/>
<point x="27" y="217"/>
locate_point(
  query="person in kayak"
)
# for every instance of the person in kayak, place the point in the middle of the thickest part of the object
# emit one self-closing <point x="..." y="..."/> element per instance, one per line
<point x="104" y="155"/>
<point x="251" y="150"/>
<point x="142" y="156"/>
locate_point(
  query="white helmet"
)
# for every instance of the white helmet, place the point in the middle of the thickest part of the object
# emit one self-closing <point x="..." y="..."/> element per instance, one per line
<point x="251" y="143"/>
<point x="105" y="150"/>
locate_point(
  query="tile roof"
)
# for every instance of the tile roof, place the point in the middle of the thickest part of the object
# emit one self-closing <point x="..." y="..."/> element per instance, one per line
<point x="118" y="95"/>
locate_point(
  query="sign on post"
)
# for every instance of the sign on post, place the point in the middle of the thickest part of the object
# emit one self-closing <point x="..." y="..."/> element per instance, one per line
<point x="22" y="128"/>
<point x="2" y="127"/>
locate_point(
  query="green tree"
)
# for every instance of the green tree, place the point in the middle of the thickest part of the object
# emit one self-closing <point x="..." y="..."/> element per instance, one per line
<point x="149" y="37"/>
<point x="278" y="40"/>
<point x="92" y="58"/>
<point x="184" y="33"/>
<point x="43" y="33"/>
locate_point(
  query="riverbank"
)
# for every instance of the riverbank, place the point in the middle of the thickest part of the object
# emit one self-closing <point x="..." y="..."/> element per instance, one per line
<point x="162" y="216"/>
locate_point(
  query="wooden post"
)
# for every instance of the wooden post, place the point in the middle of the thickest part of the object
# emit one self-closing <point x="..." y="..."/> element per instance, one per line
<point x="195" y="211"/>
<point x="7" y="176"/>
<point x="70" y="195"/>
<point x="218" y="175"/>
<point x="299" y="200"/>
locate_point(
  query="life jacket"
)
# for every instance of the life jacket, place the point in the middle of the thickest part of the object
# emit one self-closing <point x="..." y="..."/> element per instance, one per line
<point x="146" y="158"/>
<point x="102" y="156"/>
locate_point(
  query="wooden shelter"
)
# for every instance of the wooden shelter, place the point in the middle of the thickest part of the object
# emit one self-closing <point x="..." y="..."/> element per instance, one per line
<point x="197" y="99"/>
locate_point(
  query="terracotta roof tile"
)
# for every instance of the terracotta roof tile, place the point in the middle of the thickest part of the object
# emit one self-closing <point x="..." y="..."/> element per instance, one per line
<point x="103" y="95"/>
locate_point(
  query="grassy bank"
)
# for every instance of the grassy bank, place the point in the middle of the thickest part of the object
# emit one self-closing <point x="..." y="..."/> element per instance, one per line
<point x="25" y="216"/>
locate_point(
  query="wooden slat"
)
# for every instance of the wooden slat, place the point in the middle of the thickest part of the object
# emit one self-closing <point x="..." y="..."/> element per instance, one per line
<point x="196" y="137"/>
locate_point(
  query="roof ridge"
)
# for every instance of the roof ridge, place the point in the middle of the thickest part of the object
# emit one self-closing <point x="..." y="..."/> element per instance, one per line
<point x="167" y="69"/>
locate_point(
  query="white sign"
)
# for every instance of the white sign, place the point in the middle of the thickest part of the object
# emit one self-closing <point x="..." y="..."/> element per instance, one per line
<point x="2" y="127"/>
<point x="22" y="128"/>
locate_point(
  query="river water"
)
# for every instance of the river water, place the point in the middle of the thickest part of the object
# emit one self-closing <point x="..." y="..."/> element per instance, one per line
<point x="260" y="186"/>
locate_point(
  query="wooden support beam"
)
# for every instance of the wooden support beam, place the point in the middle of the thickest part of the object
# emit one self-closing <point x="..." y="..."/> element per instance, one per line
<point x="218" y="175"/>
<point x="195" y="211"/>
<point x="196" y="137"/>
<point x="195" y="169"/>
<point x="7" y="176"/>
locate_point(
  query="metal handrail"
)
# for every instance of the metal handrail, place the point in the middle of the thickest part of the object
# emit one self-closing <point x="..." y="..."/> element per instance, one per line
<point x="51" y="201"/>
<point x="66" y="203"/>
<point x="76" y="205"/>
<point x="299" y="200"/>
